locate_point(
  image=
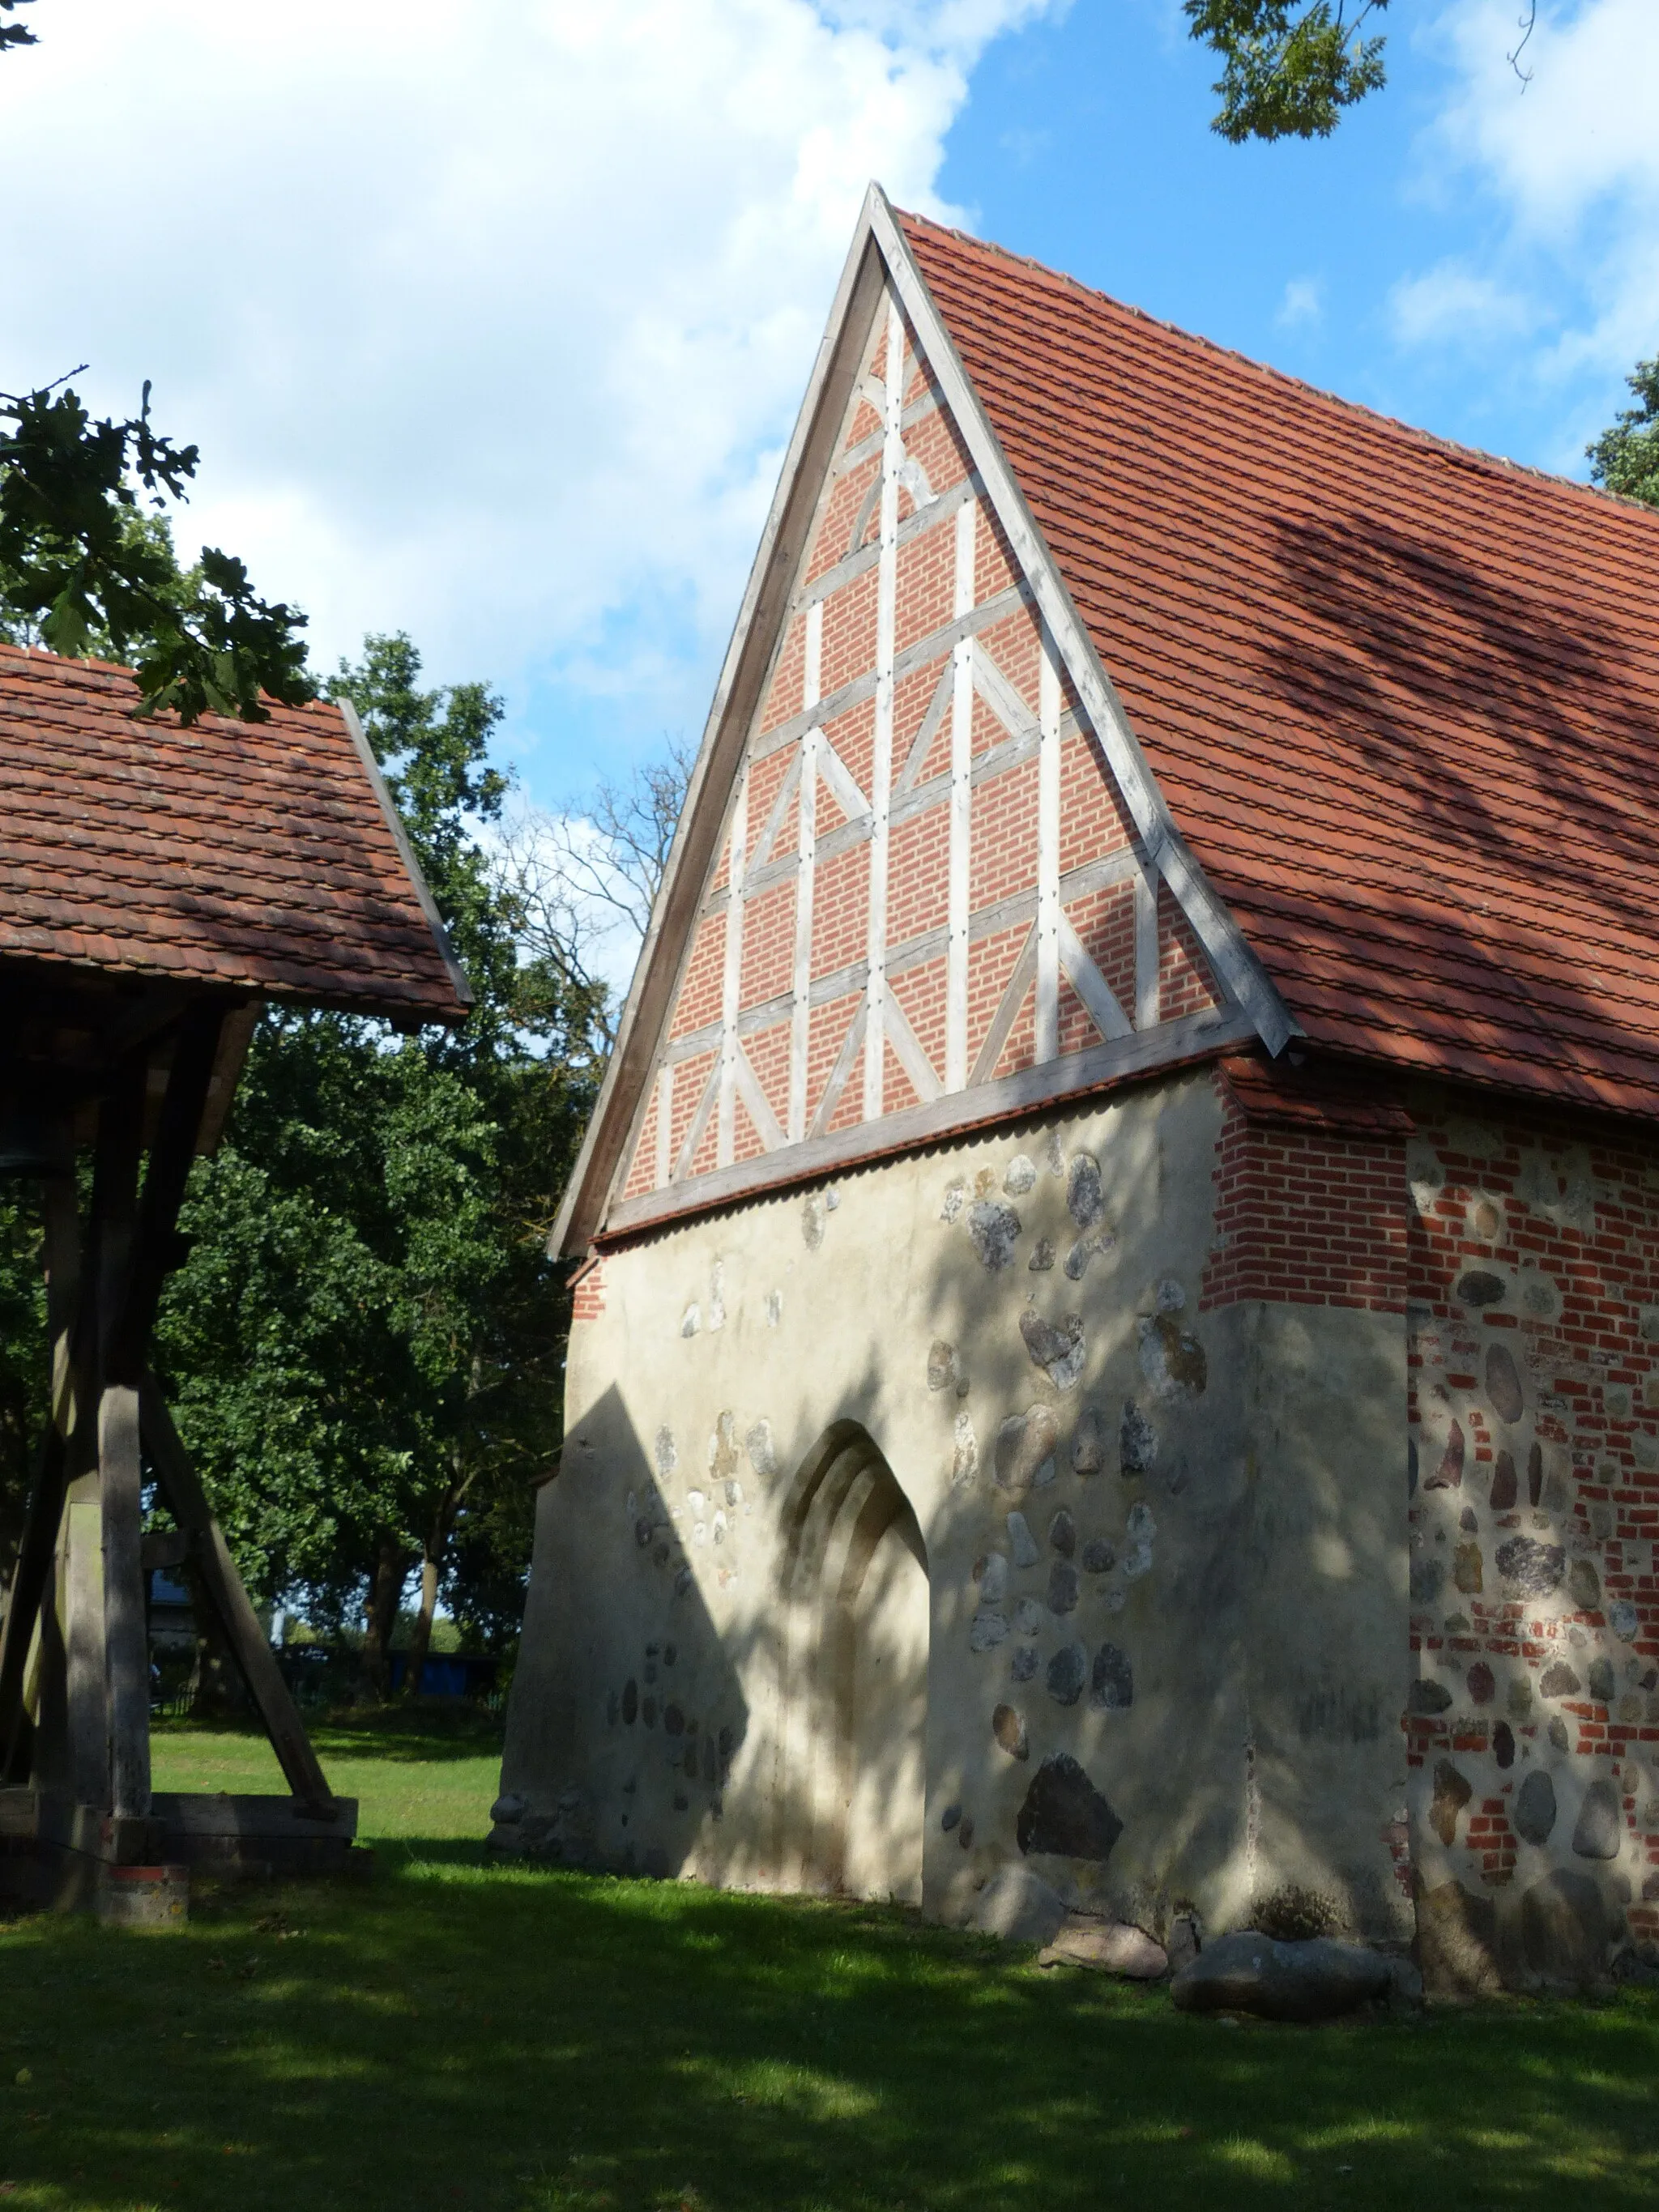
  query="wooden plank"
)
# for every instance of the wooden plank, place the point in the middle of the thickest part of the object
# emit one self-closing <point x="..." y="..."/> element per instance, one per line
<point x="1013" y="999"/>
<point x="911" y="1056"/>
<point x="881" y="762"/>
<point x="760" y="1107"/>
<point x="665" y="1122"/>
<point x="1090" y="986"/>
<point x="961" y="788"/>
<point x="801" y="1024"/>
<point x="1147" y="984"/>
<point x="928" y="729"/>
<point x="687" y="1152"/>
<point x="223" y="1586"/>
<point x="835" y="771"/>
<point x="1003" y="702"/>
<point x="772" y="825"/>
<point x="1173" y="1044"/>
<point x="731" y="975"/>
<point x="851" y="1045"/>
<point x="222" y="1814"/>
<point x="1046" y="1043"/>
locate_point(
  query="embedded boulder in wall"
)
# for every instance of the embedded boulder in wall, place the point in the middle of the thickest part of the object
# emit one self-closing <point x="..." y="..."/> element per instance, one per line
<point x="1065" y="1814"/>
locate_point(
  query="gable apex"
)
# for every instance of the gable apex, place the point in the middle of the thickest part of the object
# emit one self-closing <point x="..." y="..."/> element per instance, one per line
<point x="924" y="878"/>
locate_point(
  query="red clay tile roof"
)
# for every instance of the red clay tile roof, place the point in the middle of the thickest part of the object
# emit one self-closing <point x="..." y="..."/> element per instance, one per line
<point x="1402" y="699"/>
<point x="254" y="856"/>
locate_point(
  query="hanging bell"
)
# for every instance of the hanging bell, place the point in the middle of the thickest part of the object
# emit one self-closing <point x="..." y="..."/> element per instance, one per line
<point x="33" y="1142"/>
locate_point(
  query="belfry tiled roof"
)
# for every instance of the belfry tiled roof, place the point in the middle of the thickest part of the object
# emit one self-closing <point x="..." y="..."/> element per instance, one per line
<point x="1402" y="698"/>
<point x="251" y="856"/>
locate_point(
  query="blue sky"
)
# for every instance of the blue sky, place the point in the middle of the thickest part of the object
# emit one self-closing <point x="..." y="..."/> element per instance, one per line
<point x="491" y="322"/>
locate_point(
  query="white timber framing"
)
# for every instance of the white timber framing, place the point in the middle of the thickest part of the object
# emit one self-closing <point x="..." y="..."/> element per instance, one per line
<point x="1046" y="1043"/>
<point x="732" y="976"/>
<point x="884" y="296"/>
<point x="800" y="1026"/>
<point x="881" y="759"/>
<point x="961" y="804"/>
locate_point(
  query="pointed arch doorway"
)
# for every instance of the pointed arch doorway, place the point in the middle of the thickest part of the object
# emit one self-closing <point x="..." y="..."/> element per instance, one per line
<point x="853" y="1774"/>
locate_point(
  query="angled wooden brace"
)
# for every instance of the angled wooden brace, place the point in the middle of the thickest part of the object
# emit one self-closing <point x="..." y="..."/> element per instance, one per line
<point x="223" y="1589"/>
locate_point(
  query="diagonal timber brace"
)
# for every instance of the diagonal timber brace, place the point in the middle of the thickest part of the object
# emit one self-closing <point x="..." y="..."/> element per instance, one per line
<point x="223" y="1587"/>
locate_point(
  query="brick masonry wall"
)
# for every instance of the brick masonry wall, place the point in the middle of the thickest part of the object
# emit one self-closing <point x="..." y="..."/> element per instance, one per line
<point x="1308" y="1213"/>
<point x="1534" y="1350"/>
<point x="1523" y="1250"/>
<point x="588" y="1301"/>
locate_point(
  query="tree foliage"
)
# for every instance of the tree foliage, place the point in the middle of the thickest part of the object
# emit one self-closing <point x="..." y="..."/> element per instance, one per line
<point x="1289" y="68"/>
<point x="81" y="572"/>
<point x="1626" y="457"/>
<point x="366" y="1344"/>
<point x="14" y="34"/>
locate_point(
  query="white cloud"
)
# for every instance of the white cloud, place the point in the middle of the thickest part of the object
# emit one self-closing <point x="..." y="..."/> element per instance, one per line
<point x="1452" y="303"/>
<point x="1572" y="163"/>
<point x="490" y="321"/>
<point x="1303" y="303"/>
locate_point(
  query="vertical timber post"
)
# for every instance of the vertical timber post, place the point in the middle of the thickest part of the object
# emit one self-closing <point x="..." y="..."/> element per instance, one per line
<point x="126" y="1646"/>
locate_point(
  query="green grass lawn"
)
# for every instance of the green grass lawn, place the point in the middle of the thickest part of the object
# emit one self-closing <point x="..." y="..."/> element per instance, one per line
<point x="452" y="2034"/>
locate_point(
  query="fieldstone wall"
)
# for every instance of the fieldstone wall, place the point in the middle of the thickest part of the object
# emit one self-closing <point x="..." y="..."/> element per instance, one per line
<point x="1533" y="1718"/>
<point x="1166" y="1548"/>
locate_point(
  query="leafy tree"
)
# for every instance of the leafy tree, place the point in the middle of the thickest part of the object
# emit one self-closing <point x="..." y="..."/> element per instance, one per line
<point x="14" y="34"/>
<point x="1626" y="458"/>
<point x="80" y="571"/>
<point x="1290" y="69"/>
<point x="367" y="1340"/>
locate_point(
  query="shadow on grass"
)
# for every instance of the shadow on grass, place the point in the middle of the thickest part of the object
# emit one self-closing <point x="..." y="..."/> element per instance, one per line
<point x="434" y="1730"/>
<point x="537" y="2042"/>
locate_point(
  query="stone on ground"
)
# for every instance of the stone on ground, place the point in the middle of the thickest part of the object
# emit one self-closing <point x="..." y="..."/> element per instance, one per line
<point x="1308" y="1981"/>
<point x="1110" y="1946"/>
<point x="1457" y="1944"/>
<point x="1565" y="1927"/>
<point x="1019" y="1906"/>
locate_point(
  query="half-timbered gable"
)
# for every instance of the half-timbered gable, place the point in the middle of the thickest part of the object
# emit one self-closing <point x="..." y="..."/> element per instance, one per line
<point x="937" y="886"/>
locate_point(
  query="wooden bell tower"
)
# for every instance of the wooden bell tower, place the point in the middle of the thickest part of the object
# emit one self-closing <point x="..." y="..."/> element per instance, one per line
<point x="155" y="886"/>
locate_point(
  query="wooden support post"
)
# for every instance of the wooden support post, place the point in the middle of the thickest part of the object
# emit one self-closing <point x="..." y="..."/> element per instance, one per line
<point x="125" y="1690"/>
<point x="33" y="1575"/>
<point x="223" y="1587"/>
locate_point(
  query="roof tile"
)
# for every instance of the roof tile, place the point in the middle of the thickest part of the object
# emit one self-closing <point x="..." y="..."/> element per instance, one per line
<point x="1402" y="698"/>
<point x="254" y="856"/>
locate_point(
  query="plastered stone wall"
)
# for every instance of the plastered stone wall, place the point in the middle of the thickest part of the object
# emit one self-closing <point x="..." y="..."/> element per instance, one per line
<point x="1165" y="1547"/>
<point x="1534" y="1717"/>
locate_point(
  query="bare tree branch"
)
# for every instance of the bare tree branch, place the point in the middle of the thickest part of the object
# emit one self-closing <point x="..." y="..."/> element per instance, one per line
<point x="585" y="882"/>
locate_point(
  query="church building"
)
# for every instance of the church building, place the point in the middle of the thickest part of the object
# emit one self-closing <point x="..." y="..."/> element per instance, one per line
<point x="1117" y="1259"/>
